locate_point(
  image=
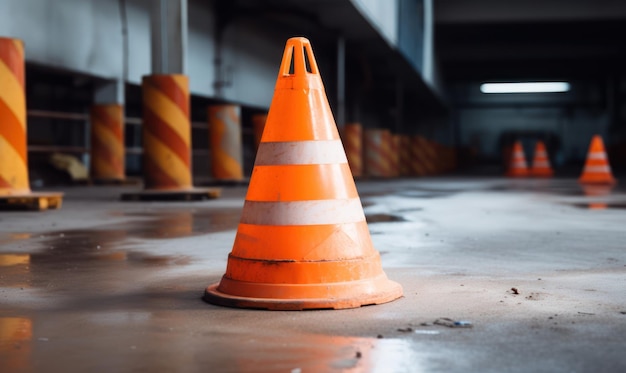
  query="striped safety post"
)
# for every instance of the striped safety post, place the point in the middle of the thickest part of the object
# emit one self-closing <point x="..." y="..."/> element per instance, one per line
<point x="353" y="144"/>
<point x="166" y="132"/>
<point x="405" y="155"/>
<point x="15" y="190"/>
<point x="258" y="124"/>
<point x="225" y="142"/>
<point x="13" y="152"/>
<point x="377" y="152"/>
<point x="417" y="157"/>
<point x="107" y="142"/>
<point x="394" y="148"/>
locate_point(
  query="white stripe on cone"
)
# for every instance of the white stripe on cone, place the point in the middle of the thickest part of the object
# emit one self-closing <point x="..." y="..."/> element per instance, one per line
<point x="300" y="153"/>
<point x="598" y="156"/>
<point x="316" y="212"/>
<point x="540" y="153"/>
<point x="541" y="164"/>
<point x="600" y="169"/>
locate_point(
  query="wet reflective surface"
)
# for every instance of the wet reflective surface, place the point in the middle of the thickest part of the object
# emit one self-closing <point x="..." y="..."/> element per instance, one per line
<point x="105" y="286"/>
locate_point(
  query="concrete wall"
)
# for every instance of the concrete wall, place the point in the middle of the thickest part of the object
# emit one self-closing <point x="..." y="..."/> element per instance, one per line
<point x="383" y="15"/>
<point x="85" y="36"/>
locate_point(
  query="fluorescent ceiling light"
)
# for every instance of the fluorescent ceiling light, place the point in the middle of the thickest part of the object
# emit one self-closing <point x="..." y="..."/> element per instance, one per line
<point x="535" y="87"/>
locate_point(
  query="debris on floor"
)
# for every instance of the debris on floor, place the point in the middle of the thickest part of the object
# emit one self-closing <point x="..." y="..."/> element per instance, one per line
<point x="444" y="321"/>
<point x="515" y="291"/>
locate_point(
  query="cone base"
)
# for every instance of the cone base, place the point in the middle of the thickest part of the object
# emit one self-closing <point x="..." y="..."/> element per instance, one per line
<point x="344" y="295"/>
<point x="598" y="180"/>
<point x="191" y="194"/>
<point x="31" y="201"/>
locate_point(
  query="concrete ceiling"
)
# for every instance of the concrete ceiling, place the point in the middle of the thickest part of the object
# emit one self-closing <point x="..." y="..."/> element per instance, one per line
<point x="531" y="39"/>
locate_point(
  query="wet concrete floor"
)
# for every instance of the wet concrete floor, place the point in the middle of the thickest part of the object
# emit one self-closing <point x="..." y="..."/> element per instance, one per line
<point x="533" y="271"/>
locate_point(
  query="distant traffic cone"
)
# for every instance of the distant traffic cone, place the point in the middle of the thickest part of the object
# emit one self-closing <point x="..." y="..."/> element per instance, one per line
<point x="517" y="163"/>
<point x="541" y="163"/>
<point x="302" y="242"/>
<point x="597" y="168"/>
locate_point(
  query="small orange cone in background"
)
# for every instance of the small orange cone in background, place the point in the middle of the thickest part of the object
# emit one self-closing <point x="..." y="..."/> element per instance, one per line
<point x="302" y="242"/>
<point x="541" y="163"/>
<point x="597" y="168"/>
<point x="517" y="163"/>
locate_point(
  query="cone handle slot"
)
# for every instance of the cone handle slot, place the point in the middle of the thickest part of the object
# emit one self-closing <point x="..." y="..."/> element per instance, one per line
<point x="298" y="59"/>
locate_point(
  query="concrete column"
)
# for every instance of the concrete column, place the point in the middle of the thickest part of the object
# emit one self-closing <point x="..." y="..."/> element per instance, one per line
<point x="341" y="82"/>
<point x="13" y="140"/>
<point x="353" y="144"/>
<point x="258" y="124"/>
<point x="107" y="158"/>
<point x="169" y="36"/>
<point x="225" y="142"/>
<point x="166" y="132"/>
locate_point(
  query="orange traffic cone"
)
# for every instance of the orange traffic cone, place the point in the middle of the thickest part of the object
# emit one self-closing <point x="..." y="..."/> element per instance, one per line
<point x="541" y="163"/>
<point x="302" y="242"/>
<point x="597" y="168"/>
<point x="517" y="163"/>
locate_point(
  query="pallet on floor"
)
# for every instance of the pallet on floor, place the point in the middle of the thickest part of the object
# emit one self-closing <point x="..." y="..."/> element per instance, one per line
<point x="32" y="201"/>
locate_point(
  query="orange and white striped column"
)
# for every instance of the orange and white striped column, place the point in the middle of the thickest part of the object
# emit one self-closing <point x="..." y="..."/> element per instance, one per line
<point x="13" y="141"/>
<point x="378" y="152"/>
<point x="225" y="142"/>
<point x="417" y="157"/>
<point x="258" y="124"/>
<point x="353" y="144"/>
<point x="405" y="155"/>
<point x="166" y="132"/>
<point x="107" y="142"/>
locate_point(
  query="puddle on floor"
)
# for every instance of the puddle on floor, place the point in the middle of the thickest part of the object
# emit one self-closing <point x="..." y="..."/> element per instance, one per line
<point x="598" y="205"/>
<point x="75" y="257"/>
<point x="383" y="218"/>
<point x="129" y="336"/>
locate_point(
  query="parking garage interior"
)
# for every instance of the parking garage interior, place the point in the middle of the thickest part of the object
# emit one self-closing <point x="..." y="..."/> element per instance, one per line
<point x="502" y="257"/>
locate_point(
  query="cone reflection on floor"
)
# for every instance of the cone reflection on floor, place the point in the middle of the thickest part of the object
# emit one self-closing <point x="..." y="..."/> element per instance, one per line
<point x="302" y="242"/>
<point x="541" y="163"/>
<point x="517" y="164"/>
<point x="597" y="168"/>
<point x="597" y="195"/>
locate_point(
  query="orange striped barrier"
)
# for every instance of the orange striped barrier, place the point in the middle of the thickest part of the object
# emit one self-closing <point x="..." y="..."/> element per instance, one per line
<point x="167" y="142"/>
<point x="14" y="184"/>
<point x="302" y="242"/>
<point x="353" y="143"/>
<point x="427" y="156"/>
<point x="597" y="168"/>
<point x="395" y="155"/>
<point x="225" y="142"/>
<point x="166" y="132"/>
<point x="541" y="163"/>
<point x="378" y="153"/>
<point x="107" y="142"/>
<point x="258" y="124"/>
<point x="404" y="157"/>
<point x="517" y="164"/>
<point x="418" y="167"/>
